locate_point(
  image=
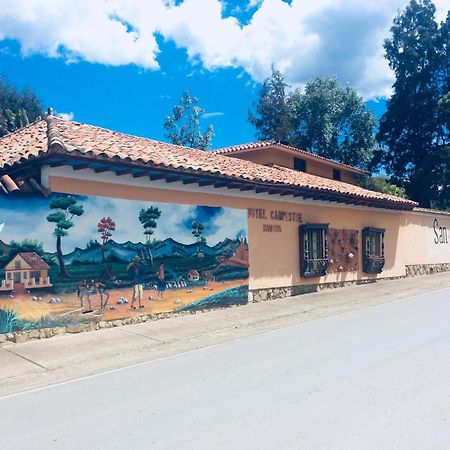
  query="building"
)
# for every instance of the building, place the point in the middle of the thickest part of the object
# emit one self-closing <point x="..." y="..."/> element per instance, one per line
<point x="309" y="224"/>
<point x="240" y="256"/>
<point x="26" y="271"/>
<point x="193" y="275"/>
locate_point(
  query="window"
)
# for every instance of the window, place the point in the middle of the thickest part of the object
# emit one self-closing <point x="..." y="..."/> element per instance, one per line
<point x="313" y="250"/>
<point x="17" y="264"/>
<point x="336" y="174"/>
<point x="300" y="164"/>
<point x="373" y="250"/>
<point x="36" y="275"/>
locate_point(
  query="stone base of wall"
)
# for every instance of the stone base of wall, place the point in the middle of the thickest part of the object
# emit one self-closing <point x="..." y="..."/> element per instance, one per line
<point x="261" y="295"/>
<point x="426" y="269"/>
<point x="43" y="333"/>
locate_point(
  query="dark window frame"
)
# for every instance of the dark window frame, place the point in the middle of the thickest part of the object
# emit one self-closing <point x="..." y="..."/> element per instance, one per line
<point x="302" y="163"/>
<point x="373" y="249"/>
<point x="313" y="249"/>
<point x="337" y="174"/>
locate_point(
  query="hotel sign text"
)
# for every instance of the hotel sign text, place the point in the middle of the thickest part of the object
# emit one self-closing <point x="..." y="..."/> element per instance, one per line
<point x="440" y="233"/>
<point x="274" y="215"/>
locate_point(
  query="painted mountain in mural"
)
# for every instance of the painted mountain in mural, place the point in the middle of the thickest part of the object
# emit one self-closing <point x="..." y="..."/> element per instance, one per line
<point x="3" y="247"/>
<point x="167" y="248"/>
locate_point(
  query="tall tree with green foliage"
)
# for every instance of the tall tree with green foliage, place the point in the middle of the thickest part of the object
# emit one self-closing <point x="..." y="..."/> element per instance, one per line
<point x="413" y="131"/>
<point x="271" y="118"/>
<point x="148" y="218"/>
<point x="67" y="208"/>
<point x="324" y="118"/>
<point x="17" y="109"/>
<point x="332" y="121"/>
<point x="183" y="126"/>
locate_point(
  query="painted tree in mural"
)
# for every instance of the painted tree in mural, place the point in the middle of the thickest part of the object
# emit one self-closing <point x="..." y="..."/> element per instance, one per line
<point x="66" y="208"/>
<point x="198" y="230"/>
<point x="105" y="227"/>
<point x="148" y="218"/>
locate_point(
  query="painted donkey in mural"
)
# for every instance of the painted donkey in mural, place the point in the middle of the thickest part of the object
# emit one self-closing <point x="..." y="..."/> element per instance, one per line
<point x="86" y="288"/>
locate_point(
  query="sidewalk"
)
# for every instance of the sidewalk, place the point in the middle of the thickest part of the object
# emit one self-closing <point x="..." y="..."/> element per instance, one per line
<point x="65" y="357"/>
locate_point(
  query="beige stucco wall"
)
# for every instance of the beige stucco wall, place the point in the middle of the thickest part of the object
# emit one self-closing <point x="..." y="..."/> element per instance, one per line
<point x="268" y="156"/>
<point x="274" y="256"/>
<point x="418" y="239"/>
<point x="286" y="159"/>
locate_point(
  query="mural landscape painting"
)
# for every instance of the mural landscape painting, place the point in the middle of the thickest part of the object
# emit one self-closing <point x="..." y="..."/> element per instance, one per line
<point x="73" y="259"/>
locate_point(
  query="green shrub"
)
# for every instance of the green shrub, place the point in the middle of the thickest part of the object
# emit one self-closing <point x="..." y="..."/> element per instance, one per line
<point x="9" y="321"/>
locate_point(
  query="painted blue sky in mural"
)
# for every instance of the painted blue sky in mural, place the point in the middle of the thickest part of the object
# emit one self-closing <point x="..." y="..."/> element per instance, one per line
<point x="25" y="218"/>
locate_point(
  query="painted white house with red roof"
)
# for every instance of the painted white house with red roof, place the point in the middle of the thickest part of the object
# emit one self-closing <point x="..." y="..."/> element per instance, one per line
<point x="26" y="270"/>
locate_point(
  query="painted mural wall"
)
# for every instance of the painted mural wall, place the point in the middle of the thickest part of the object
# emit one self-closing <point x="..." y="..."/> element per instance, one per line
<point x="74" y="259"/>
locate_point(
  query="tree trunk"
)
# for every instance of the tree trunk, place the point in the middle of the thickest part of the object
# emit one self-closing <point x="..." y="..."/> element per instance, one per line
<point x="62" y="266"/>
<point x="108" y="274"/>
<point x="150" y="256"/>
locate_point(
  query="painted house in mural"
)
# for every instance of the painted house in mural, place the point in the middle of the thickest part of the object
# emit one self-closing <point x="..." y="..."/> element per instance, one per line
<point x="240" y="256"/>
<point x="193" y="275"/>
<point x="26" y="271"/>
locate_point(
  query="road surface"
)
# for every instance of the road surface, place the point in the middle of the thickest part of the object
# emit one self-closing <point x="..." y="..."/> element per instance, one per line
<point x="372" y="379"/>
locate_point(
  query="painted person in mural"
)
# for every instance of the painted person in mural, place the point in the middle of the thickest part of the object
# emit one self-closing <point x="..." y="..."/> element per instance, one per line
<point x="136" y="271"/>
<point x="161" y="283"/>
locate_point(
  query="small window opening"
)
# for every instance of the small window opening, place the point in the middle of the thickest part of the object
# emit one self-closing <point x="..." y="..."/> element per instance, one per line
<point x="300" y="164"/>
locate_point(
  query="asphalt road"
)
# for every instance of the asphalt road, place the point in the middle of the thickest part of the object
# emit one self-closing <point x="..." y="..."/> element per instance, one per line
<point x="372" y="379"/>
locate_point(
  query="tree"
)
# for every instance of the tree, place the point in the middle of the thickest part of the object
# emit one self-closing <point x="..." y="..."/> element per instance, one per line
<point x="272" y="120"/>
<point x="17" y="109"/>
<point x="332" y="121"/>
<point x="183" y="126"/>
<point x="325" y="119"/>
<point x="198" y="230"/>
<point x="148" y="218"/>
<point x="105" y="227"/>
<point x="413" y="133"/>
<point x="66" y="208"/>
<point x="380" y="183"/>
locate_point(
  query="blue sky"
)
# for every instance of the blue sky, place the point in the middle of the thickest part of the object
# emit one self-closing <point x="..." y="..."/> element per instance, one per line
<point x="123" y="64"/>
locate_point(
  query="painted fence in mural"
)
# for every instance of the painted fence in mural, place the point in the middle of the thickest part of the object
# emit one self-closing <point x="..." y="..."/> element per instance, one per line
<point x="74" y="259"/>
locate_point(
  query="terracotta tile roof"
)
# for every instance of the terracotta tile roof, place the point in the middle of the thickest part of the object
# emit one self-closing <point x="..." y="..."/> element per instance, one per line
<point x="55" y="136"/>
<point x="264" y="144"/>
<point x="29" y="141"/>
<point x="34" y="261"/>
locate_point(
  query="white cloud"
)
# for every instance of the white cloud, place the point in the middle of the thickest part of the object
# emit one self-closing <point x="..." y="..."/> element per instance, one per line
<point x="304" y="39"/>
<point x="65" y="115"/>
<point x="212" y="114"/>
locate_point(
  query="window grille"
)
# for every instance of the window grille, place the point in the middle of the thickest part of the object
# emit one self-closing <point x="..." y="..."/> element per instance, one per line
<point x="313" y="250"/>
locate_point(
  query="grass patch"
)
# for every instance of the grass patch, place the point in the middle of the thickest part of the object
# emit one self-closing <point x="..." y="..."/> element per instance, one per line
<point x="234" y="296"/>
<point x="9" y="322"/>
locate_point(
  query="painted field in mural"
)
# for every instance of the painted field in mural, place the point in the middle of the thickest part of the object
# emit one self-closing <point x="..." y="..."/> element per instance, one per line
<point x="74" y="259"/>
